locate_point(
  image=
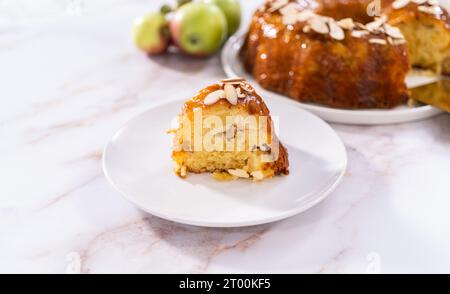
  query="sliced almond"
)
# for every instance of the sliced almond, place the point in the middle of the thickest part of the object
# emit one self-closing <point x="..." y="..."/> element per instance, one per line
<point x="258" y="175"/>
<point x="183" y="171"/>
<point x="305" y="15"/>
<point x="277" y="5"/>
<point x="233" y="80"/>
<point x="425" y="9"/>
<point x="360" y="26"/>
<point x="375" y="25"/>
<point x="383" y="18"/>
<point x="239" y="173"/>
<point x="289" y="19"/>
<point x="239" y="93"/>
<point x="378" y="41"/>
<point x="434" y="10"/>
<point x="359" y="34"/>
<point x="326" y="18"/>
<point x="390" y="40"/>
<point x="230" y="94"/>
<point x="346" y="24"/>
<point x="214" y="97"/>
<point x="400" y="4"/>
<point x="336" y="32"/>
<point x="433" y="2"/>
<point x="393" y="32"/>
<point x="318" y="25"/>
<point x="290" y="9"/>
<point x="306" y="29"/>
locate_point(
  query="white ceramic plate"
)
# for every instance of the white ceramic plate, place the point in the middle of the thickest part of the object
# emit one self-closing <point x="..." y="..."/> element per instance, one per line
<point x="137" y="163"/>
<point x="233" y="67"/>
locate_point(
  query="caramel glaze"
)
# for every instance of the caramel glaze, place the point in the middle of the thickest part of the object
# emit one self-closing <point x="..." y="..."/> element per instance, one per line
<point x="311" y="67"/>
<point x="253" y="104"/>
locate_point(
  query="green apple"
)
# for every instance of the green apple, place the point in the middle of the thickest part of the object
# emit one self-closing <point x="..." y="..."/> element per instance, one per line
<point x="151" y="33"/>
<point x="232" y="11"/>
<point x="198" y="28"/>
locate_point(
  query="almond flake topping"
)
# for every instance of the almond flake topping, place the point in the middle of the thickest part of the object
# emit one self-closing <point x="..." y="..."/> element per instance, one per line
<point x="306" y="29"/>
<point x="360" y="26"/>
<point x="232" y="80"/>
<point x="336" y="32"/>
<point x="359" y="34"/>
<point x="376" y="25"/>
<point x="230" y="93"/>
<point x="231" y="89"/>
<point x="305" y="15"/>
<point x="290" y="9"/>
<point x="378" y="41"/>
<point x="319" y="25"/>
<point x="292" y="13"/>
<point x="277" y="5"/>
<point x="346" y="24"/>
<point x="290" y="19"/>
<point x="240" y="173"/>
<point x="258" y="175"/>
<point x="434" y="10"/>
<point x="214" y="97"/>
<point x="400" y="4"/>
<point x="393" y="32"/>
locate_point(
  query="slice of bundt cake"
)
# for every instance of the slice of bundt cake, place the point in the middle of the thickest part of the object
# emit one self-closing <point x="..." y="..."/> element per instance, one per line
<point x="227" y="130"/>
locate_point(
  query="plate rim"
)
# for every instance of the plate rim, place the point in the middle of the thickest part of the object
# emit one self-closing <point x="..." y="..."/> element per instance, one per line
<point x="321" y="195"/>
<point x="324" y="112"/>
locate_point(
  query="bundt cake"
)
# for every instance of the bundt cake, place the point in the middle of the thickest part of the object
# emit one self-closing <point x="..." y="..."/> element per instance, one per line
<point x="227" y="130"/>
<point x="332" y="52"/>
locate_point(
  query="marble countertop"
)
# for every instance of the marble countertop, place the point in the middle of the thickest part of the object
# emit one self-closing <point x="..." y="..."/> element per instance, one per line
<point x="70" y="77"/>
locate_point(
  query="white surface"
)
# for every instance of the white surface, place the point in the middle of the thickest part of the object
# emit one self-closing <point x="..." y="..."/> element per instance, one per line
<point x="137" y="162"/>
<point x="233" y="68"/>
<point x="69" y="82"/>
